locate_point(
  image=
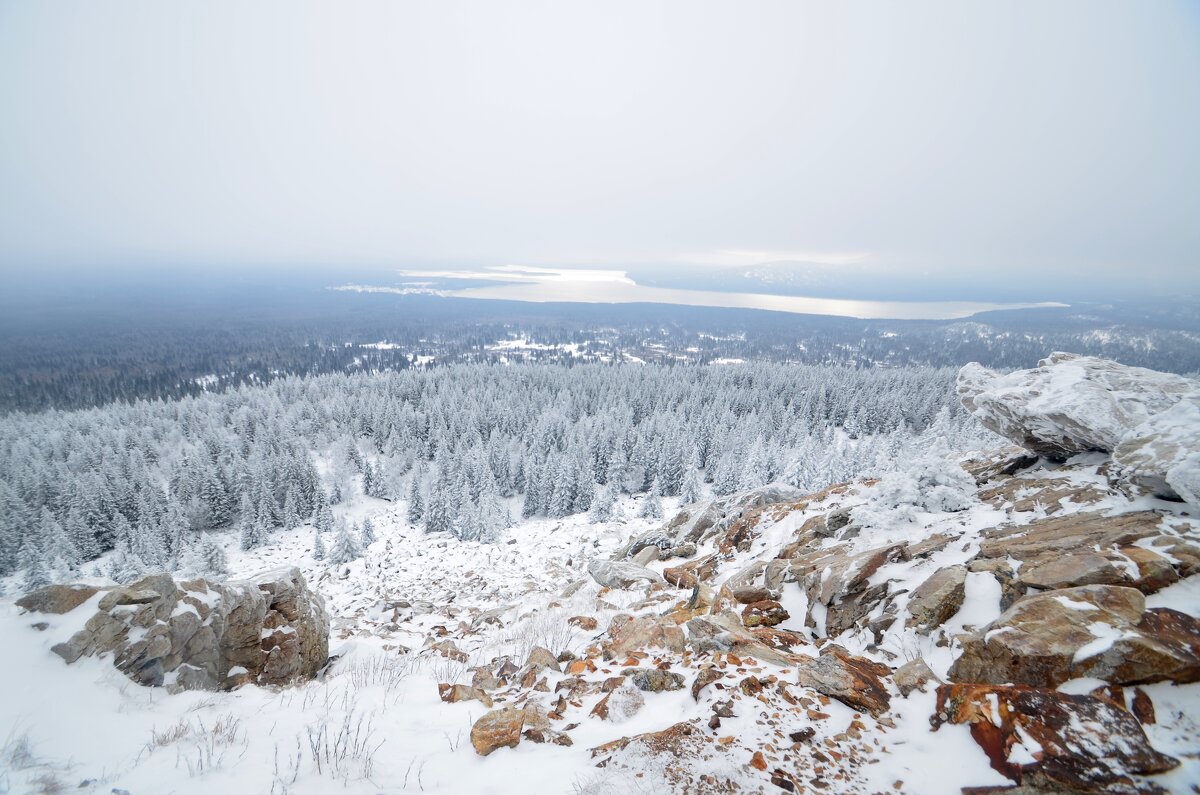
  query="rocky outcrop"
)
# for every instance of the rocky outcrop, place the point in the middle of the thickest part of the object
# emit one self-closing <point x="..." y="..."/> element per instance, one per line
<point x="1073" y="404"/>
<point x="1054" y="742"/>
<point x="1163" y="453"/>
<point x="1089" y="548"/>
<point x="1099" y="631"/>
<point x="1069" y="404"/>
<point x="196" y="635"/>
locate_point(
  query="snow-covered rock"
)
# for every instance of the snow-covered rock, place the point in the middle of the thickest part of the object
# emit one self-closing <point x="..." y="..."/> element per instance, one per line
<point x="1072" y="404"/>
<point x="1163" y="453"/>
<point x="1069" y="404"/>
<point x="196" y="635"/>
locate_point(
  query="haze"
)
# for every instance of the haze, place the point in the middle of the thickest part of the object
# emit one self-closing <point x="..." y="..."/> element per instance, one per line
<point x="1033" y="139"/>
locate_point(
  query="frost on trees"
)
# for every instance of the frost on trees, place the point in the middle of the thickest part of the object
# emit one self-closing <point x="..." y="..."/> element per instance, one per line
<point x="142" y="482"/>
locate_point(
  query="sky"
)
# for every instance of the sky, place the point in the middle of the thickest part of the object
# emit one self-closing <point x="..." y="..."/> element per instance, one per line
<point x="956" y="137"/>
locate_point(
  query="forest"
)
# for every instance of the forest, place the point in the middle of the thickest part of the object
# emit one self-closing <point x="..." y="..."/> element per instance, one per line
<point x="468" y="448"/>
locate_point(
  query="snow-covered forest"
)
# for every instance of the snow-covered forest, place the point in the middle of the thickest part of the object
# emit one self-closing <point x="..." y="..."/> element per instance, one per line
<point x="469" y="449"/>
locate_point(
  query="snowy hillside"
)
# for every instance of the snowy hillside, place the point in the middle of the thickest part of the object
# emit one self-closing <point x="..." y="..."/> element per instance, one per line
<point x="781" y="638"/>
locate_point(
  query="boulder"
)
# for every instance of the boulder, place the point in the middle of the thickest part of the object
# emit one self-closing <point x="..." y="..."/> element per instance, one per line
<point x="1163" y="453"/>
<point x="937" y="599"/>
<point x="913" y="675"/>
<point x="634" y="634"/>
<point x="1069" y="404"/>
<point x="1051" y="741"/>
<point x="56" y="599"/>
<point x="766" y="613"/>
<point x="653" y="680"/>
<point x="540" y="657"/>
<point x="452" y="694"/>
<point x="618" y="574"/>
<point x="855" y="681"/>
<point x="190" y="634"/>
<point x="1099" y="631"/>
<point x="500" y="728"/>
<point x="724" y="632"/>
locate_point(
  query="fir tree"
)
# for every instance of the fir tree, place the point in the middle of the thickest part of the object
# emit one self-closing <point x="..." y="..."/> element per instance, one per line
<point x="345" y="547"/>
<point x="318" y="547"/>
<point x="416" y="503"/>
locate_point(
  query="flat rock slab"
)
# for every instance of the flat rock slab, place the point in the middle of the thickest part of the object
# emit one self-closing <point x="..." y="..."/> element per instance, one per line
<point x="1054" y="741"/>
<point x="1100" y="631"/>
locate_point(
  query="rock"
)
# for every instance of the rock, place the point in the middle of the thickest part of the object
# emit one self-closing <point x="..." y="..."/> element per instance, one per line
<point x="540" y="657"/>
<point x="1100" y="631"/>
<point x="766" y="613"/>
<point x="483" y="679"/>
<point x="452" y="694"/>
<point x="620" y="704"/>
<point x="703" y="679"/>
<point x="500" y="728"/>
<point x="190" y="634"/>
<point x="1143" y="708"/>
<point x="1163" y="453"/>
<point x="618" y="574"/>
<point x="675" y="741"/>
<point x="913" y="675"/>
<point x="1067" y="571"/>
<point x="937" y="599"/>
<point x="547" y="736"/>
<point x="635" y="634"/>
<point x="1039" y="737"/>
<point x="586" y="623"/>
<point x="724" y="632"/>
<point x="645" y="555"/>
<point x="854" y="681"/>
<point x="653" y="680"/>
<point x="1069" y="404"/>
<point x="56" y="599"/>
<point x="1090" y="546"/>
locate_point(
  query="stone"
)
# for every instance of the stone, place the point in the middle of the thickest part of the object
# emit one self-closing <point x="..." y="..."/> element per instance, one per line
<point x="704" y="678"/>
<point x="1067" y="571"/>
<point x="1100" y="631"/>
<point x="190" y="634"/>
<point x="1069" y="404"/>
<point x="937" y="599"/>
<point x="913" y="675"/>
<point x="636" y="634"/>
<point x="1054" y="742"/>
<point x="586" y="623"/>
<point x="452" y="694"/>
<point x="645" y="555"/>
<point x="766" y="613"/>
<point x="724" y="632"/>
<point x="652" y="680"/>
<point x="56" y="599"/>
<point x="676" y="741"/>
<point x="618" y="574"/>
<point x="500" y="728"/>
<point x="540" y="657"/>
<point x="855" y="681"/>
<point x="1162" y="453"/>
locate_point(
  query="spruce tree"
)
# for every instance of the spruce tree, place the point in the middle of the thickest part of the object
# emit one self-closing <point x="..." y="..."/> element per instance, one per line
<point x="345" y="547"/>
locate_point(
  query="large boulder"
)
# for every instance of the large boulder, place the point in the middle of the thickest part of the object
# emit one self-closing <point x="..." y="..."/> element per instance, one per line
<point x="1099" y="631"/>
<point x="618" y="574"/>
<point x="1054" y="742"/>
<point x="1163" y="453"/>
<point x="500" y="728"/>
<point x="938" y="598"/>
<point x="1069" y="404"/>
<point x="855" y="681"/>
<point x="193" y="634"/>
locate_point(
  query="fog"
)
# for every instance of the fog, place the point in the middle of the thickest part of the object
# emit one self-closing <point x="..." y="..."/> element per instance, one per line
<point x="1037" y="140"/>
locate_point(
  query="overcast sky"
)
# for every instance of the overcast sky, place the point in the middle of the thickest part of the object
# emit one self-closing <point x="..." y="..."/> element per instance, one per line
<point x="1024" y="135"/>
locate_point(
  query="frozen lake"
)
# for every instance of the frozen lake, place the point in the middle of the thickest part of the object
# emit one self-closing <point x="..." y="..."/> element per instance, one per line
<point x="542" y="285"/>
